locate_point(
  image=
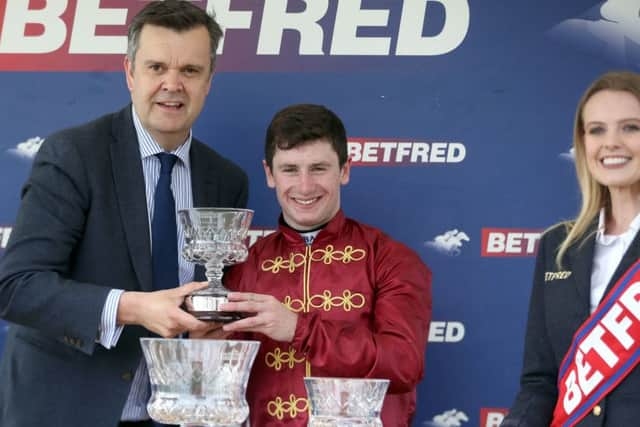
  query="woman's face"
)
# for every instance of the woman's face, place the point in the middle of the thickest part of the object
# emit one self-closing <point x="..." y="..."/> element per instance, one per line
<point x="612" y="139"/>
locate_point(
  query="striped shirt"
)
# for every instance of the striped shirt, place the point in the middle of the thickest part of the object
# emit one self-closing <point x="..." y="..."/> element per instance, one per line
<point x="136" y="406"/>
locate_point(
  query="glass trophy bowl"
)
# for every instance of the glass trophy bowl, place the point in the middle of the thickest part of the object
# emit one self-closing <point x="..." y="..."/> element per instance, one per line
<point x="215" y="238"/>
<point x="345" y="402"/>
<point x="198" y="383"/>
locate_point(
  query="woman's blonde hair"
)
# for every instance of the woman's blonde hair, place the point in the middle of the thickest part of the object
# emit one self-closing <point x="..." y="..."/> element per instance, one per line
<point x="594" y="195"/>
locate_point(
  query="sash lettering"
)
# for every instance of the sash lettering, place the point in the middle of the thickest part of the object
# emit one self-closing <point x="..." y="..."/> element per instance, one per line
<point x="604" y="350"/>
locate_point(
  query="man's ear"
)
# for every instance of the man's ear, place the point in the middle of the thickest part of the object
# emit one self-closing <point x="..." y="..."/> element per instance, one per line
<point x="345" y="172"/>
<point x="128" y="72"/>
<point x="268" y="175"/>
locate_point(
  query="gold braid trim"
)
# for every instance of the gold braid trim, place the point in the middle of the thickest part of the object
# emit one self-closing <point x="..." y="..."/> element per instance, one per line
<point x="327" y="255"/>
<point x="277" y="358"/>
<point x="278" y="408"/>
<point x="291" y="264"/>
<point x="347" y="301"/>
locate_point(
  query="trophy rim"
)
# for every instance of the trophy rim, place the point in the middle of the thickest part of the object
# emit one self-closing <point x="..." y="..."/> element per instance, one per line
<point x="363" y="380"/>
<point x="205" y="209"/>
<point x="201" y="340"/>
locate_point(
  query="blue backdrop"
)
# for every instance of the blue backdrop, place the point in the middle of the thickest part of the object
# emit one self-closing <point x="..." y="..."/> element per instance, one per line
<point x="488" y="87"/>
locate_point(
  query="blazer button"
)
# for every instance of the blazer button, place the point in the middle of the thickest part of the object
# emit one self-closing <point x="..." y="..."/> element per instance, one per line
<point x="126" y="376"/>
<point x="597" y="410"/>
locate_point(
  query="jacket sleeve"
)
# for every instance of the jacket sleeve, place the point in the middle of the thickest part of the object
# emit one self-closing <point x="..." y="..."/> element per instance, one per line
<point x="391" y="344"/>
<point x="534" y="403"/>
<point x="34" y="290"/>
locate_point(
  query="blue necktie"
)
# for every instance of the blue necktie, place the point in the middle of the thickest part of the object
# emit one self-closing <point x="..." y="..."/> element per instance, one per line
<point x="164" y="233"/>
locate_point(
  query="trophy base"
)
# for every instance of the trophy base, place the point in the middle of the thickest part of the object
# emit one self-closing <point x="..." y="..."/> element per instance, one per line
<point x="207" y="308"/>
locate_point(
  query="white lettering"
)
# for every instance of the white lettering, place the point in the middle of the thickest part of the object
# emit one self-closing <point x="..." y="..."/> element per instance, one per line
<point x="5" y="233"/>
<point x="494" y="419"/>
<point x="275" y="20"/>
<point x="436" y="331"/>
<point x="18" y="15"/>
<point x="629" y="299"/>
<point x="495" y="242"/>
<point x="410" y="39"/>
<point x="387" y="147"/>
<point x="531" y="239"/>
<point x="349" y="17"/>
<point x="438" y="152"/>
<point x="573" y="396"/>
<point x="513" y="243"/>
<point x="369" y="154"/>
<point x="403" y="150"/>
<point x="420" y="153"/>
<point x="457" y="152"/>
<point x="229" y="19"/>
<point x="587" y="384"/>
<point x="618" y="327"/>
<point x="593" y="341"/>
<point x="446" y="331"/>
<point x="88" y="16"/>
<point x="454" y="332"/>
<point x="355" y="151"/>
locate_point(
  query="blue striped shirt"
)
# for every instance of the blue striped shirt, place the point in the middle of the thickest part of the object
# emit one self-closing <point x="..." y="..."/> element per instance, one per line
<point x="136" y="406"/>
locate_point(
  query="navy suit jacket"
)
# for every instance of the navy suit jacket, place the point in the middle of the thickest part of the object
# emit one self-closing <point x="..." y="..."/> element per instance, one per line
<point x="83" y="229"/>
<point x="557" y="309"/>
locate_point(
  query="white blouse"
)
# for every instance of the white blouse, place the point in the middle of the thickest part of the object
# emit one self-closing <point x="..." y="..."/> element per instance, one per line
<point x="609" y="251"/>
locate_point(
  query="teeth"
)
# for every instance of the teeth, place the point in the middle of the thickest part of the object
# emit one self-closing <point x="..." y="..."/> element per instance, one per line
<point x="306" y="202"/>
<point x="171" y="104"/>
<point x="608" y="161"/>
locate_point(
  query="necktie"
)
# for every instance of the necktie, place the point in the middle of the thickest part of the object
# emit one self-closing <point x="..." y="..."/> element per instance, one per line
<point x="164" y="234"/>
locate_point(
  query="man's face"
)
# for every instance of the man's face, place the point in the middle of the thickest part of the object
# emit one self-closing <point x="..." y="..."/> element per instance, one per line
<point x="169" y="81"/>
<point x="307" y="181"/>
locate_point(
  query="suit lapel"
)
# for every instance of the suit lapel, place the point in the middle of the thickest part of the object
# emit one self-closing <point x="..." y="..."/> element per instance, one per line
<point x="580" y="257"/>
<point x="629" y="257"/>
<point x="203" y="183"/>
<point x="130" y="193"/>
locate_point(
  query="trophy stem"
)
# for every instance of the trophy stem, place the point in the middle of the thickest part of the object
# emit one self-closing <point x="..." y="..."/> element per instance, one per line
<point x="213" y="272"/>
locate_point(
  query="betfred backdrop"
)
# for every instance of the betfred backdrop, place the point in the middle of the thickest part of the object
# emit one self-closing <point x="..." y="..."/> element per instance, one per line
<point x="459" y="115"/>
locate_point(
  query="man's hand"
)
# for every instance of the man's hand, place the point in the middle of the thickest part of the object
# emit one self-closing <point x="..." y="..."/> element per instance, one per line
<point x="160" y="311"/>
<point x="272" y="318"/>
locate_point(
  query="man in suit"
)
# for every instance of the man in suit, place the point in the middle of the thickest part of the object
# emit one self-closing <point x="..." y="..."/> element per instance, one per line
<point x="86" y="273"/>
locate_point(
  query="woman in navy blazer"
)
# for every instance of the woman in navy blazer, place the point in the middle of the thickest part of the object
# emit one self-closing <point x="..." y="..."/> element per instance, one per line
<point x="580" y="261"/>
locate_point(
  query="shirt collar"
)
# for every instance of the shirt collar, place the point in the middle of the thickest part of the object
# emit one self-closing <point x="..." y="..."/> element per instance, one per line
<point x="605" y="239"/>
<point x="329" y="231"/>
<point x="149" y="147"/>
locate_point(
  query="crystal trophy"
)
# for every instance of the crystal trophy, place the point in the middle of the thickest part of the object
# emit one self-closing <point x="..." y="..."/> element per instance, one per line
<point x="215" y="238"/>
<point x="198" y="382"/>
<point x="345" y="402"/>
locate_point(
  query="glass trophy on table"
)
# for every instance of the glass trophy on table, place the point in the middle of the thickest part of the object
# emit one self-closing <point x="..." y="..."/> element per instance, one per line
<point x="215" y="238"/>
<point x="198" y="382"/>
<point x="345" y="402"/>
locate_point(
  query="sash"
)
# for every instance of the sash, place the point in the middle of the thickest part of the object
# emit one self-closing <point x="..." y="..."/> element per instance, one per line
<point x="604" y="350"/>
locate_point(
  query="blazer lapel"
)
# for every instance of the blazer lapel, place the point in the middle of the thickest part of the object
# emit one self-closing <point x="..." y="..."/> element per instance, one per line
<point x="203" y="183"/>
<point x="580" y="263"/>
<point x="629" y="257"/>
<point x="130" y="193"/>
